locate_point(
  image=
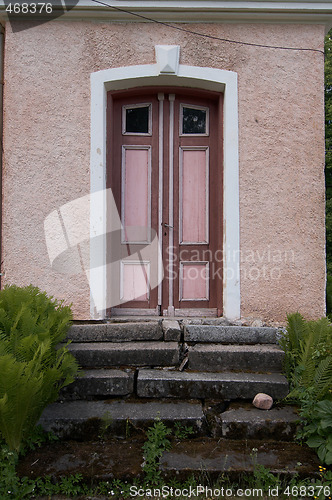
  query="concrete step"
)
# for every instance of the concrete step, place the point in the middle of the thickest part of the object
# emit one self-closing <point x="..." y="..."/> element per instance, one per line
<point x="116" y="332"/>
<point x="229" y="334"/>
<point x="218" y="357"/>
<point x="100" y="383"/>
<point x="86" y="420"/>
<point x="207" y="457"/>
<point x="110" y="354"/>
<point x="211" y="457"/>
<point x="225" y="386"/>
<point x="243" y="421"/>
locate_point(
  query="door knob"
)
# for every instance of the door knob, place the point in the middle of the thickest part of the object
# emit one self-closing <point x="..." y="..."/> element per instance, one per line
<point x="167" y="225"/>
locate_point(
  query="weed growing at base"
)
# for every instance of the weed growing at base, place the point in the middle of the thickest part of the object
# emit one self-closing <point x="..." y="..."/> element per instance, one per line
<point x="262" y="483"/>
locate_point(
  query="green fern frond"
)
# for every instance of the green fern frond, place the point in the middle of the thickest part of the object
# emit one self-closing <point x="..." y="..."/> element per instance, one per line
<point x="32" y="368"/>
<point x="323" y="379"/>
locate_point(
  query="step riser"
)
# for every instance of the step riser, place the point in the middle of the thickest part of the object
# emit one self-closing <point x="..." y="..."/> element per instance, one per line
<point x="174" y="384"/>
<point x="93" y="419"/>
<point x="209" y="358"/>
<point x="88" y="420"/>
<point x="116" y="332"/>
<point x="129" y="354"/>
<point x="170" y="330"/>
<point x="229" y="334"/>
<point x="228" y="391"/>
<point x="98" y="384"/>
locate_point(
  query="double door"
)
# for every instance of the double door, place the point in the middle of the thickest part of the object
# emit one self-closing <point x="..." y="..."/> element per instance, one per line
<point x="165" y="174"/>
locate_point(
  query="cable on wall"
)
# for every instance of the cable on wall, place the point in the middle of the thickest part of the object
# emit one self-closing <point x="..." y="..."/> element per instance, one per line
<point x="203" y="35"/>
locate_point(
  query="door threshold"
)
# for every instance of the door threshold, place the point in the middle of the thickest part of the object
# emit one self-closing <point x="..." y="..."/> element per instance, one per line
<point x="192" y="313"/>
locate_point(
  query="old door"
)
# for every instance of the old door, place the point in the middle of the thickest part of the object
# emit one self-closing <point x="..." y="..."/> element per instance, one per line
<point x="165" y="173"/>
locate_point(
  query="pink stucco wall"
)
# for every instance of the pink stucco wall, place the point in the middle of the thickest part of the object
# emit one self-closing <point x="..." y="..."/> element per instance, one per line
<point x="281" y="128"/>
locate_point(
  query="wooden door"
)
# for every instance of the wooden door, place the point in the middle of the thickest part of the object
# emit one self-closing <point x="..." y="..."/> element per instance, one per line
<point x="165" y="172"/>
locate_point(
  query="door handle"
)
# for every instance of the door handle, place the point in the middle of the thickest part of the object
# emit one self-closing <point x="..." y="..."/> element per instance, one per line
<point x="167" y="225"/>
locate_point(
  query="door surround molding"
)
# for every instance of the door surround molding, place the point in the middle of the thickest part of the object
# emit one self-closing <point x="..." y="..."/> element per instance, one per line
<point x="165" y="72"/>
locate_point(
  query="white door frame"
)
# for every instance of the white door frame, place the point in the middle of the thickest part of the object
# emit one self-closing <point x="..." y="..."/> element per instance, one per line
<point x="165" y="72"/>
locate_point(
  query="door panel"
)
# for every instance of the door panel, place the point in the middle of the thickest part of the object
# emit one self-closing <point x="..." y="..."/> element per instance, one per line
<point x="198" y="212"/>
<point x="165" y="172"/>
<point x="194" y="195"/>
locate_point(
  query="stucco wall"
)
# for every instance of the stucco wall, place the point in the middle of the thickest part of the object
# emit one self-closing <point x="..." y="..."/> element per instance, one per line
<point x="281" y="127"/>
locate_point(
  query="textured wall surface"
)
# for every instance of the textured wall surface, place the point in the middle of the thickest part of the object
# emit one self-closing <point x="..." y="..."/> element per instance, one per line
<point x="281" y="126"/>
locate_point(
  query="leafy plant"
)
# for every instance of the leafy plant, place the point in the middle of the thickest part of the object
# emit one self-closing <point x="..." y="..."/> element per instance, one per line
<point x="33" y="369"/>
<point x="308" y="358"/>
<point x="182" y="431"/>
<point x="317" y="429"/>
<point x="155" y="445"/>
<point x="308" y="366"/>
<point x="11" y="486"/>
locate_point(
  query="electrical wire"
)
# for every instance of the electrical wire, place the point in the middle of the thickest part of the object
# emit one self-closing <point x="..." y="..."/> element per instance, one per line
<point x="203" y="35"/>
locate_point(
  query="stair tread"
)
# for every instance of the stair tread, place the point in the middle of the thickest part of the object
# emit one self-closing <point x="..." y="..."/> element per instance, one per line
<point x="213" y="455"/>
<point x="217" y="376"/>
<point x="226" y="455"/>
<point x="128" y="346"/>
<point x="236" y="348"/>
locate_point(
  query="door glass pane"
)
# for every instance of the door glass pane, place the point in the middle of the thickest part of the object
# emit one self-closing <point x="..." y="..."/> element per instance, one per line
<point x="194" y="120"/>
<point x="137" y="119"/>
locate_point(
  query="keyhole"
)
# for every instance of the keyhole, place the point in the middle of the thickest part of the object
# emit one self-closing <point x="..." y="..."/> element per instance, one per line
<point x="165" y="234"/>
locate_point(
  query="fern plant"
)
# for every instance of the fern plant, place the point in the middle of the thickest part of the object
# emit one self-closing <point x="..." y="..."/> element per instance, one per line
<point x="308" y="358"/>
<point x="33" y="368"/>
<point x="308" y="366"/>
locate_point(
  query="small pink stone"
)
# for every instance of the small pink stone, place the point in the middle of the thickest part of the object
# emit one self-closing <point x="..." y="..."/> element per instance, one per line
<point x="263" y="401"/>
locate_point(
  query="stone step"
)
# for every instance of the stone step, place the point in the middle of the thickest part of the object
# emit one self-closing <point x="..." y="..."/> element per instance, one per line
<point x="107" y="354"/>
<point x="116" y="332"/>
<point x="208" y="458"/>
<point x="229" y="334"/>
<point x="228" y="386"/>
<point x="212" y="458"/>
<point x="243" y="421"/>
<point x="100" y="383"/>
<point x="218" y="357"/>
<point x="86" y="420"/>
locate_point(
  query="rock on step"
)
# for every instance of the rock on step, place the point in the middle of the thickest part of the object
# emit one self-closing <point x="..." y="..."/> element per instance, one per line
<point x="218" y="357"/>
<point x="83" y="420"/>
<point x="100" y="383"/>
<point x="116" y="332"/>
<point x="163" y="383"/>
<point x="93" y="354"/>
<point x="229" y="334"/>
